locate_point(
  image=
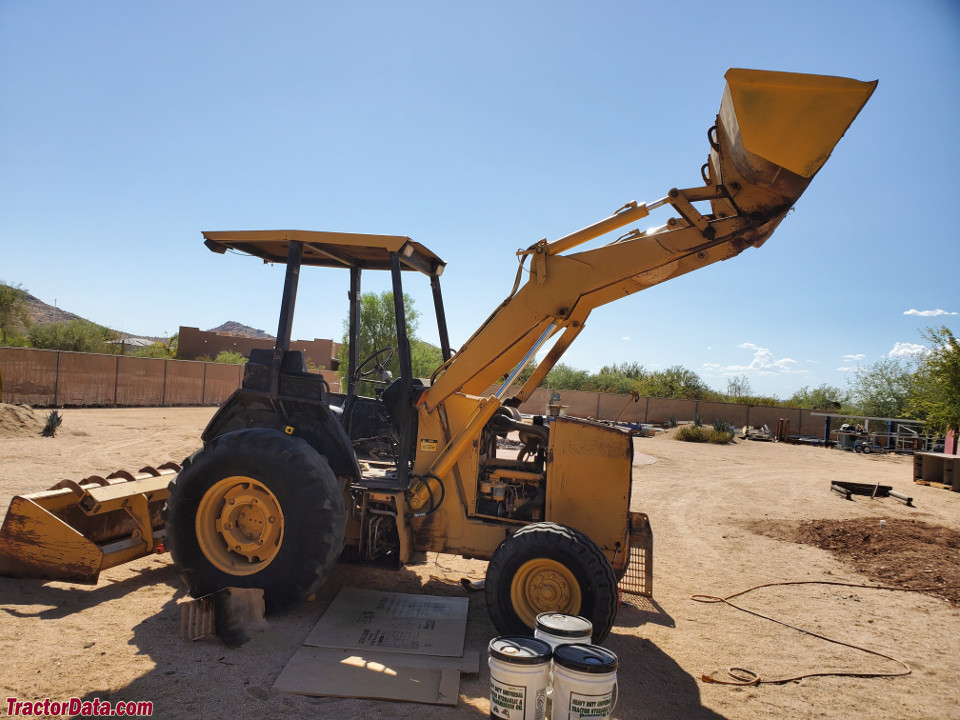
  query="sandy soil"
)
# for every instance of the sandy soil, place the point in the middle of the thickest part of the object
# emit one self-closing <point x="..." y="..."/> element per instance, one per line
<point x="708" y="507"/>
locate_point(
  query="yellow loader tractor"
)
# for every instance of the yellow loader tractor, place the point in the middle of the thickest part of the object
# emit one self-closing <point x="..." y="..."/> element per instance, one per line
<point x="292" y="477"/>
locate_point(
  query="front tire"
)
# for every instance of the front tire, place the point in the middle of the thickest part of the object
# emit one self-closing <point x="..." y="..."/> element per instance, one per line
<point x="257" y="509"/>
<point x="547" y="567"/>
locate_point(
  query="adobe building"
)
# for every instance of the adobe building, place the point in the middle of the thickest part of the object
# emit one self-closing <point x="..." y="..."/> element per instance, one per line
<point x="320" y="353"/>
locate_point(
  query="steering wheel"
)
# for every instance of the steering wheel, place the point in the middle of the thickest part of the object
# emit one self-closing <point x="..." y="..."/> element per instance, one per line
<point x="378" y="360"/>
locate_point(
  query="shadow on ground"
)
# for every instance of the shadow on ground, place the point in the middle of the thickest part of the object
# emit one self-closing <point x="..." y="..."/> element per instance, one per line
<point x="652" y="685"/>
<point x="637" y="610"/>
<point x="205" y="678"/>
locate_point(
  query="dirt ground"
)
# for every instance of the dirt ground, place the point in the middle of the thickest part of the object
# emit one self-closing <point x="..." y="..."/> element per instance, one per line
<point x="725" y="518"/>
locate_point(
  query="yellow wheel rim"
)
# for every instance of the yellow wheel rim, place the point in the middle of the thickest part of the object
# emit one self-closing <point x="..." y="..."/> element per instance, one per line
<point x="543" y="585"/>
<point x="239" y="525"/>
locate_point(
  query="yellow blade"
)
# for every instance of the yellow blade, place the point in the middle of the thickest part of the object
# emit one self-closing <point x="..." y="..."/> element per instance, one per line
<point x="37" y="543"/>
<point x="75" y="530"/>
<point x="794" y="120"/>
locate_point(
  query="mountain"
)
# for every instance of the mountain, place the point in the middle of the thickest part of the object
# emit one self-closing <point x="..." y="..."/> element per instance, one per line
<point x="232" y="327"/>
<point x="43" y="314"/>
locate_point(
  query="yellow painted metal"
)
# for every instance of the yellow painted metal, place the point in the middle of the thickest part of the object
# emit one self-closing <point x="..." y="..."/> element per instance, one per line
<point x="793" y="120"/>
<point x="454" y="449"/>
<point x="629" y="213"/>
<point x="75" y="530"/>
<point x="588" y="483"/>
<point x="544" y="585"/>
<point x="239" y="525"/>
<point x="774" y="131"/>
<point x="329" y="249"/>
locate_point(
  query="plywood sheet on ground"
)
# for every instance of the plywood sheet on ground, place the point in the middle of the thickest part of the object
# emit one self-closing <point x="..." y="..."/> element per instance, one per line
<point x="394" y="622"/>
<point x="331" y="672"/>
<point x="384" y="645"/>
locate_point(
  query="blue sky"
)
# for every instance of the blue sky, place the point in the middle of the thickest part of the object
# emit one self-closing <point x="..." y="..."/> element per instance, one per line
<point x="475" y="128"/>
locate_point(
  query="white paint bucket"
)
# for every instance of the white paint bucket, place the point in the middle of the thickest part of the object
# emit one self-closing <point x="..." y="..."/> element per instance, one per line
<point x="519" y="669"/>
<point x="584" y="682"/>
<point x="559" y="629"/>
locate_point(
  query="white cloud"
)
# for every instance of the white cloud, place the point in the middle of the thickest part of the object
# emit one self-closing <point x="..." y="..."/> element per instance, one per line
<point x="844" y="369"/>
<point x="763" y="363"/>
<point x="907" y="350"/>
<point x="625" y="337"/>
<point x="853" y="358"/>
<point x="928" y="313"/>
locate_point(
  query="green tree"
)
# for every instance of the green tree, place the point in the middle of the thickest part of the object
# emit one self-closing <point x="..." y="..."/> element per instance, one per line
<point x="621" y="379"/>
<point x="884" y="388"/>
<point x="564" y="377"/>
<point x="378" y="330"/>
<point x="825" y="397"/>
<point x="75" y="335"/>
<point x="14" y="314"/>
<point x="424" y="357"/>
<point x="935" y="394"/>
<point x="158" y="349"/>
<point x="738" y="387"/>
<point x="674" y="382"/>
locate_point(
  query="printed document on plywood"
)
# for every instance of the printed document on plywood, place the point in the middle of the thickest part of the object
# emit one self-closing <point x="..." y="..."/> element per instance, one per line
<point x="393" y="622"/>
<point x="390" y="646"/>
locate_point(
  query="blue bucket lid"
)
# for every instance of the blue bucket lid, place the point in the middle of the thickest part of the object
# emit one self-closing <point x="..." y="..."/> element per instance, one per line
<point x="585" y="658"/>
<point x="520" y="650"/>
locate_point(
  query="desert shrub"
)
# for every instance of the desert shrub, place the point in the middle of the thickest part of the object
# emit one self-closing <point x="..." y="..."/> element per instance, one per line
<point x="694" y="433"/>
<point x="672" y="421"/>
<point x="697" y="420"/>
<point x="54" y="419"/>
<point x="722" y="426"/>
<point x="691" y="433"/>
<point x="231" y="358"/>
<point x="719" y="437"/>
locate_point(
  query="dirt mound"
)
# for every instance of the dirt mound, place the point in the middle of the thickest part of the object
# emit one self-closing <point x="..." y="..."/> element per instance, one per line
<point x="900" y="553"/>
<point x="19" y="420"/>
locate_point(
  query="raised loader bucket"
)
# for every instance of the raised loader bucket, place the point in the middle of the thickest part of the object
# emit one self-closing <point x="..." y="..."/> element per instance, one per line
<point x="75" y="530"/>
<point x="775" y="130"/>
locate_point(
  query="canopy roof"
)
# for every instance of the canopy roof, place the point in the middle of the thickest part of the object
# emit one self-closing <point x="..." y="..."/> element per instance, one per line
<point x="329" y="249"/>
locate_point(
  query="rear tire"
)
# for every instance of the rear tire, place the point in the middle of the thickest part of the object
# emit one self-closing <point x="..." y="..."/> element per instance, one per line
<point x="256" y="509"/>
<point x="547" y="567"/>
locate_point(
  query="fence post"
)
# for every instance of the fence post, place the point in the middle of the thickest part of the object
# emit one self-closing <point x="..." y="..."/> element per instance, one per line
<point x="203" y="386"/>
<point x="116" y="383"/>
<point x="56" y="382"/>
<point x="163" y="389"/>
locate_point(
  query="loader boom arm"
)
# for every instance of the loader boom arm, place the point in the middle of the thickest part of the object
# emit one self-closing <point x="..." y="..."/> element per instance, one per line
<point x="765" y="119"/>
